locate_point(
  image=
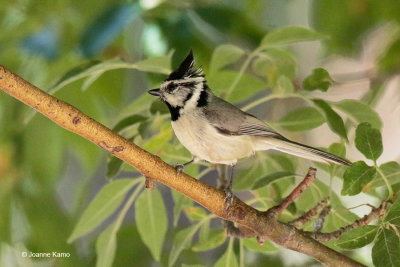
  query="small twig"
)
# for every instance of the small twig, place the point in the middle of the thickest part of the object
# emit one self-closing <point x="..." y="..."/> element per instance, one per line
<point x="277" y="210"/>
<point x="306" y="217"/>
<point x="375" y="214"/>
<point x="149" y="183"/>
<point x="319" y="223"/>
<point x="241" y="232"/>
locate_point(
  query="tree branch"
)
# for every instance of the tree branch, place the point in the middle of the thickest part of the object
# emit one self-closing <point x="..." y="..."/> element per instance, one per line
<point x="265" y="224"/>
<point x="375" y="214"/>
<point x="306" y="217"/>
<point x="307" y="181"/>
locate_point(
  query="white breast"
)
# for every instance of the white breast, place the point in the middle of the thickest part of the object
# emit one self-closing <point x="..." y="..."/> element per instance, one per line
<point x="205" y="143"/>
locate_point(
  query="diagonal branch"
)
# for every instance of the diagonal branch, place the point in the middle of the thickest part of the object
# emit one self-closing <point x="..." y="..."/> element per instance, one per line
<point x="375" y="214"/>
<point x="307" y="181"/>
<point x="264" y="224"/>
<point x="306" y="217"/>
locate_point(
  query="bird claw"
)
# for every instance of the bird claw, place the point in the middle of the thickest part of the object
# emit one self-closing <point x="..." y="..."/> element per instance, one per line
<point x="179" y="168"/>
<point x="228" y="198"/>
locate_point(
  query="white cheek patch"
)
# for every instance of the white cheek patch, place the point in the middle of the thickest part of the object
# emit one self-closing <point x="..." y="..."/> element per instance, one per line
<point x="192" y="102"/>
<point x="174" y="100"/>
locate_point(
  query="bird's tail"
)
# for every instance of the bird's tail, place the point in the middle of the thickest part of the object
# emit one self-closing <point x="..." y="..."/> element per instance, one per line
<point x="304" y="151"/>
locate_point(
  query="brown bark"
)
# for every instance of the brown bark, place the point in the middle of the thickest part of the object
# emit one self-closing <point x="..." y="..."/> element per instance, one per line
<point x="264" y="224"/>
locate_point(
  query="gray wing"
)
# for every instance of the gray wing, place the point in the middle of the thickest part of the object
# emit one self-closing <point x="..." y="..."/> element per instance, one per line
<point x="230" y="120"/>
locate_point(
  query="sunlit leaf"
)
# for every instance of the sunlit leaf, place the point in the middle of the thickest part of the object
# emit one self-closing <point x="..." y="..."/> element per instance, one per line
<point x="215" y="238"/>
<point x="195" y="213"/>
<point x="103" y="205"/>
<point x="252" y="244"/>
<point x="360" y="112"/>
<point x="158" y="107"/>
<point x="289" y="35"/>
<point x="369" y="141"/>
<point x="181" y="241"/>
<point x="356" y="177"/>
<point x="151" y="221"/>
<point x="246" y="87"/>
<point x="181" y="202"/>
<point x="106" y="245"/>
<point x="386" y="250"/>
<point x="301" y="119"/>
<point x="357" y="237"/>
<point x="271" y="178"/>
<point x="158" y="64"/>
<point x="113" y="166"/>
<point x="319" y="79"/>
<point x="274" y="63"/>
<point x="393" y="214"/>
<point x="391" y="170"/>
<point x="224" y="55"/>
<point x="335" y="122"/>
<point x="283" y="85"/>
<point x="228" y="258"/>
<point x="128" y="121"/>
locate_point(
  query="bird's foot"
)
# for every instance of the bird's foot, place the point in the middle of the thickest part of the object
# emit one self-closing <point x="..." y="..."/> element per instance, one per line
<point x="179" y="168"/>
<point x="228" y="197"/>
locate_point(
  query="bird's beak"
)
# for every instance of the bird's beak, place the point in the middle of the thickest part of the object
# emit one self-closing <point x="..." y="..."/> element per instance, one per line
<point x="155" y="92"/>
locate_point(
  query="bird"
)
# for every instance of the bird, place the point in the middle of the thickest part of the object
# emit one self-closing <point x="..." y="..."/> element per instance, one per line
<point x="216" y="131"/>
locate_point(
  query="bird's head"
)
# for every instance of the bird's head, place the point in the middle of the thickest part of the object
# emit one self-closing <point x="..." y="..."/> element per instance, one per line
<point x="183" y="87"/>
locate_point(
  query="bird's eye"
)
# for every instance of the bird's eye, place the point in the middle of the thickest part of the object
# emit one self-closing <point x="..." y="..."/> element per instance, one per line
<point x="171" y="87"/>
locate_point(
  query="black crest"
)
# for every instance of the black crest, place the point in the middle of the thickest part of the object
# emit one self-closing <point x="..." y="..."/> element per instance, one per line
<point x="185" y="70"/>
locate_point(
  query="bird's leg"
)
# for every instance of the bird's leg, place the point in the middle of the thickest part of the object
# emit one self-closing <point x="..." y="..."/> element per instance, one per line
<point x="179" y="167"/>
<point x="228" y="189"/>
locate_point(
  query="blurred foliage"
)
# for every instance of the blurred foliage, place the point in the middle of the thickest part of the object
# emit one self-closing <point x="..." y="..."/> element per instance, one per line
<point x="102" y="56"/>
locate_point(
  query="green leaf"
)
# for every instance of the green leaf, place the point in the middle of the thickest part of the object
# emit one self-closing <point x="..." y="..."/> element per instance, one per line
<point x="215" y="238"/>
<point x="301" y="119"/>
<point x="369" y="141"/>
<point x="181" y="202"/>
<point x="106" y="243"/>
<point x="283" y="85"/>
<point x="386" y="250"/>
<point x="391" y="170"/>
<point x="224" y="55"/>
<point x="103" y="205"/>
<point x="289" y="35"/>
<point x="158" y="107"/>
<point x="128" y="121"/>
<point x="319" y="79"/>
<point x="159" y="64"/>
<point x="357" y="237"/>
<point x="106" y="246"/>
<point x="335" y="122"/>
<point x="252" y="244"/>
<point x="393" y="215"/>
<point x="271" y="178"/>
<point x="158" y="141"/>
<point x="151" y="221"/>
<point x="246" y="87"/>
<point x="228" y="259"/>
<point x="359" y="112"/>
<point x="195" y="213"/>
<point x="356" y="177"/>
<point x="181" y="241"/>
<point x="337" y="149"/>
<point x="274" y="63"/>
<point x="113" y="166"/>
<point x="340" y="216"/>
